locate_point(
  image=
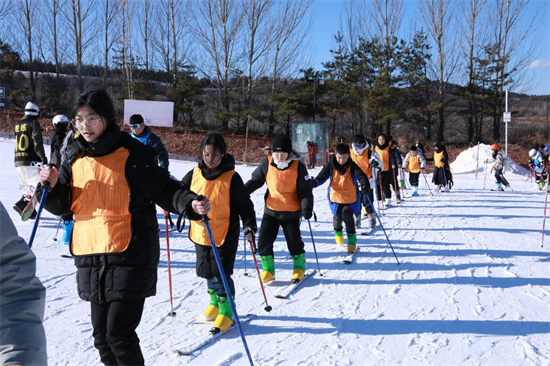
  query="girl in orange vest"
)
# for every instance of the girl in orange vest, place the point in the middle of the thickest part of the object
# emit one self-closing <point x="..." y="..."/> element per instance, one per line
<point x="343" y="195"/>
<point x="414" y="163"/>
<point x="288" y="197"/>
<point x="215" y="177"/>
<point x="111" y="183"/>
<point x="388" y="163"/>
<point x="442" y="177"/>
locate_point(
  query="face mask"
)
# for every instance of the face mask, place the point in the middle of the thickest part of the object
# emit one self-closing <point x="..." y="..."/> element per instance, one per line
<point x="282" y="164"/>
<point x="359" y="151"/>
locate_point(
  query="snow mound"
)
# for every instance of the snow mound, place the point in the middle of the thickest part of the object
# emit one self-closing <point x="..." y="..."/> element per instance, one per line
<point x="467" y="161"/>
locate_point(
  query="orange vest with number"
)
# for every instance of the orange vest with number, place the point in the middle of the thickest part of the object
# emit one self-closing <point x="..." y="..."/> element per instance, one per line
<point x="342" y="189"/>
<point x="362" y="161"/>
<point x="385" y="156"/>
<point x="217" y="191"/>
<point x="282" y="188"/>
<point x="437" y="159"/>
<point x="100" y="205"/>
<point x="414" y="164"/>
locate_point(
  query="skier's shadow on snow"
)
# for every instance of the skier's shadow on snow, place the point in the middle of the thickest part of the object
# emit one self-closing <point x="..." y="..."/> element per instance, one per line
<point x="397" y="327"/>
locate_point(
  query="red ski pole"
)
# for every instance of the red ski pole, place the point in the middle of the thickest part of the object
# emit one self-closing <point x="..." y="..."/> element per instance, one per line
<point x="172" y="312"/>
<point x="544" y="217"/>
<point x="267" y="306"/>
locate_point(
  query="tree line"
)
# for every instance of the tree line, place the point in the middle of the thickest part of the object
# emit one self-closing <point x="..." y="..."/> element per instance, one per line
<point x="225" y="62"/>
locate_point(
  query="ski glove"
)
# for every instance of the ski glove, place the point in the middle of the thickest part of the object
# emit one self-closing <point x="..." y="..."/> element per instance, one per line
<point x="307" y="213"/>
<point x="375" y="164"/>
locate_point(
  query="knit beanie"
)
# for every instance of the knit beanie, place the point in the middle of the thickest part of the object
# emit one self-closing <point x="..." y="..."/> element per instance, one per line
<point x="282" y="143"/>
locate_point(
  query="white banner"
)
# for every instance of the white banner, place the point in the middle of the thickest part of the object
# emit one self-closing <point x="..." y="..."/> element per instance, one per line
<point x="159" y="114"/>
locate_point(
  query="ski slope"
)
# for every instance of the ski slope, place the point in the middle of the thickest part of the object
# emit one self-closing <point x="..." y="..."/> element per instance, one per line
<point x="472" y="288"/>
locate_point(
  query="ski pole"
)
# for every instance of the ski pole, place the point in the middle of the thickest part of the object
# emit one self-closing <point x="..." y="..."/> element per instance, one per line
<point x="395" y="186"/>
<point x="382" y="226"/>
<point x="245" y="273"/>
<point x="45" y="189"/>
<point x="544" y="217"/>
<point x="205" y="220"/>
<point x="374" y="175"/>
<point x="268" y="307"/>
<point x="172" y="312"/>
<point x="314" y="249"/>
<point x="58" y="226"/>
<point x="427" y="185"/>
<point x="485" y="178"/>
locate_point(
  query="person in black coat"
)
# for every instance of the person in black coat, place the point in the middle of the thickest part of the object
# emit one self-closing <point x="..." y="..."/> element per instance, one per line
<point x="111" y="183"/>
<point x="216" y="173"/>
<point x="59" y="131"/>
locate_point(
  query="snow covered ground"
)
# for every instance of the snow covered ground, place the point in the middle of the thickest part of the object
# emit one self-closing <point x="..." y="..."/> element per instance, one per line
<point x="473" y="286"/>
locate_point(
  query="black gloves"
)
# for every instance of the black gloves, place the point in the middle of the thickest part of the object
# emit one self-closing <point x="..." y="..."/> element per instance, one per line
<point x="307" y="213"/>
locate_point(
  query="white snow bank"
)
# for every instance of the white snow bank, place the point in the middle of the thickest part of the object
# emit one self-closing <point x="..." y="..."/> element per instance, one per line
<point x="467" y="161"/>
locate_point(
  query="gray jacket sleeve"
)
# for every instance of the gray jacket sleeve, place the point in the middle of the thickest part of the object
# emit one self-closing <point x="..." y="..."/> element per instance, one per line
<point x="22" y="300"/>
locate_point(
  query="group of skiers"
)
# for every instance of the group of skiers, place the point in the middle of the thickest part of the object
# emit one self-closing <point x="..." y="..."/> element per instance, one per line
<point x="539" y="156"/>
<point x="110" y="182"/>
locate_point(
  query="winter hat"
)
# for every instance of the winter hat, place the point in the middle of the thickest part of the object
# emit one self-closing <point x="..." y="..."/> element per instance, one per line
<point x="414" y="148"/>
<point x="342" y="149"/>
<point x="31" y="109"/>
<point x="60" y="119"/>
<point x="438" y="144"/>
<point x="282" y="143"/>
<point x="495" y="147"/>
<point x="136" y="119"/>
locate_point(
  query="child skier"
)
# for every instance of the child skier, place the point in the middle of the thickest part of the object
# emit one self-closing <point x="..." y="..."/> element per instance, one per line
<point x="536" y="163"/>
<point x="414" y="163"/>
<point x="288" y="197"/>
<point x="367" y="159"/>
<point x="343" y="195"/>
<point x="382" y="148"/>
<point x="442" y="177"/>
<point x="498" y="167"/>
<point x="215" y="178"/>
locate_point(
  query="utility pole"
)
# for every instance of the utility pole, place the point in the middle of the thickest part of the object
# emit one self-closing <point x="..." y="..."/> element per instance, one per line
<point x="315" y="80"/>
<point x="507" y="118"/>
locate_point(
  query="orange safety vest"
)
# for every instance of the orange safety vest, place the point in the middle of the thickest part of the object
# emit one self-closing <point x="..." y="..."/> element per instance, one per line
<point x="101" y="202"/>
<point x="362" y="161"/>
<point x="414" y="164"/>
<point x="437" y="159"/>
<point x="342" y="189"/>
<point x="282" y="188"/>
<point x="385" y="156"/>
<point x="217" y="192"/>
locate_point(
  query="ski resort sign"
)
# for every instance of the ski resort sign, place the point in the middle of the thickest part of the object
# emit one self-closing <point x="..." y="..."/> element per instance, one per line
<point x="158" y="114"/>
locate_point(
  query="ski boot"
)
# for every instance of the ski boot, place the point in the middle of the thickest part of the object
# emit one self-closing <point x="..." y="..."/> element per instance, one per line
<point x="339" y="236"/>
<point x="352" y="243"/>
<point x="371" y="219"/>
<point x="299" y="267"/>
<point x="415" y="191"/>
<point x="224" y="320"/>
<point x="358" y="221"/>
<point x="268" y="265"/>
<point x="388" y="202"/>
<point x="212" y="310"/>
<point x="20" y="205"/>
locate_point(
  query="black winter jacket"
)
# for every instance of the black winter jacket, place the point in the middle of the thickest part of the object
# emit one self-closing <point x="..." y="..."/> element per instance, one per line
<point x="303" y="185"/>
<point x="57" y="136"/>
<point x="239" y="205"/>
<point x="131" y="274"/>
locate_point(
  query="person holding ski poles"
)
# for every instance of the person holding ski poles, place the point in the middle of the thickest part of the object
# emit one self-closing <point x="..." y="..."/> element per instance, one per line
<point x="343" y="195"/>
<point x="111" y="183"/>
<point x="288" y="197"/>
<point x="385" y="176"/>
<point x="398" y="158"/>
<point x="414" y="163"/>
<point x="498" y="167"/>
<point x="442" y="177"/>
<point x="363" y="155"/>
<point x="536" y="162"/>
<point x="215" y="177"/>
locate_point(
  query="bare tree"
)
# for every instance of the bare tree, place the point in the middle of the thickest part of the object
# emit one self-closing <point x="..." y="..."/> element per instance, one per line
<point x="509" y="34"/>
<point x="259" y="42"/>
<point x="473" y="36"/>
<point x="385" y="18"/>
<point x="146" y="30"/>
<point x="24" y="24"/>
<point x="108" y="12"/>
<point x="437" y="16"/>
<point x="127" y="60"/>
<point x="218" y="30"/>
<point x="79" y="15"/>
<point x="55" y="41"/>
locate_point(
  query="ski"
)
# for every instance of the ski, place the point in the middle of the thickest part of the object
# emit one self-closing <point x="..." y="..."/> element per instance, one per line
<point x="289" y="289"/>
<point x="30" y="208"/>
<point x="369" y="230"/>
<point x="67" y="256"/>
<point x="348" y="259"/>
<point x="209" y="337"/>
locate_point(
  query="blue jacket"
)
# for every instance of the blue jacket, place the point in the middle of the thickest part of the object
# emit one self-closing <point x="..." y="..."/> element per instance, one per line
<point x="147" y="137"/>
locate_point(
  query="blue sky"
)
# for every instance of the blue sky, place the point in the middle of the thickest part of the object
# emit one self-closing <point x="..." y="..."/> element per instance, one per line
<point x="326" y="23"/>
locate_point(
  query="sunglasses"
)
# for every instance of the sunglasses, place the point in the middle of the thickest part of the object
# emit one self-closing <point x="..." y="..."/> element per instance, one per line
<point x="359" y="145"/>
<point x="135" y="126"/>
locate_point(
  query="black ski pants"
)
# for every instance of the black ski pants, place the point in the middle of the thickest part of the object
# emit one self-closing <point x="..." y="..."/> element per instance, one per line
<point x="269" y="230"/>
<point x="413" y="179"/>
<point x="114" y="331"/>
<point x="387" y="179"/>
<point x="344" y="213"/>
<point x="499" y="176"/>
